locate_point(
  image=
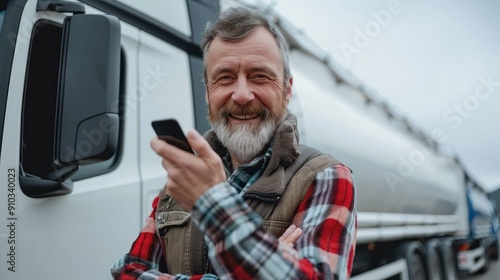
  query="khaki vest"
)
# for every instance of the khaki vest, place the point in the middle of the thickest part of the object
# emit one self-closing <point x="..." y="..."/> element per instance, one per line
<point x="185" y="250"/>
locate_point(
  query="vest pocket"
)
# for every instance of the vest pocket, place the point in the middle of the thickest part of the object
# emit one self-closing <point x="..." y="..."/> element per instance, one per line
<point x="277" y="228"/>
<point x="167" y="220"/>
<point x="173" y="227"/>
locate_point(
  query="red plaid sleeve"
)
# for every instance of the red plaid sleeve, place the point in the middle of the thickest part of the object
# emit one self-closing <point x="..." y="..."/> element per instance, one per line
<point x="328" y="217"/>
<point x="145" y="257"/>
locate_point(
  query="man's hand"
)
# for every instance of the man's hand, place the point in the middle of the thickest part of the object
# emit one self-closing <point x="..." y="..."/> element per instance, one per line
<point x="291" y="235"/>
<point x="189" y="176"/>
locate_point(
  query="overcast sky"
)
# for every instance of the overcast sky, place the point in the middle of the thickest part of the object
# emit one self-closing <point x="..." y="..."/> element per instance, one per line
<point x="437" y="62"/>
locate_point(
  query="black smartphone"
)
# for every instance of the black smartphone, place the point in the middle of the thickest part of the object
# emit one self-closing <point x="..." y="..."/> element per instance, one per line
<point x="171" y="132"/>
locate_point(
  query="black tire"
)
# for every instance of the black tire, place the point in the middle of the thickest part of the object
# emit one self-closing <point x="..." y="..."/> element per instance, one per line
<point x="415" y="254"/>
<point x="449" y="258"/>
<point x="435" y="260"/>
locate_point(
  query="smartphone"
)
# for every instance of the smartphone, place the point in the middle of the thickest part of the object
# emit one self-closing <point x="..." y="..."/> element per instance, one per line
<point x="171" y="132"/>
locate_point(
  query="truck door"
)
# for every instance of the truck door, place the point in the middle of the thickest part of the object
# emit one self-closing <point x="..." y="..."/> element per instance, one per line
<point x="80" y="230"/>
<point x="170" y="75"/>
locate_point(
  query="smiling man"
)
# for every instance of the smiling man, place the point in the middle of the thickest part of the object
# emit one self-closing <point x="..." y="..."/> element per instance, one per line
<point x="252" y="203"/>
<point x="247" y="92"/>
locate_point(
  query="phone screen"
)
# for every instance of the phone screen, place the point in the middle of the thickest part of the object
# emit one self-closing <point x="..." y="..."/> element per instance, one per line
<point x="170" y="131"/>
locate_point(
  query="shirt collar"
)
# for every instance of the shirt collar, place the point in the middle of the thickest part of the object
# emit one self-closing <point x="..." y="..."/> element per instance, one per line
<point x="245" y="175"/>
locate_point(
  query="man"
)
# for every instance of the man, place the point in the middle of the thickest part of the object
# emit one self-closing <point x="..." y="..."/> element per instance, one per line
<point x="251" y="204"/>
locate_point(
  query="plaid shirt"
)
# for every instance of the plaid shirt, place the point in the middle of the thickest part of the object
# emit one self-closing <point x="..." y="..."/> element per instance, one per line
<point x="239" y="248"/>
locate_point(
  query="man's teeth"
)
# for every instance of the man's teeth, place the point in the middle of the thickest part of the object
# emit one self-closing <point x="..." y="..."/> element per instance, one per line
<point x="244" y="117"/>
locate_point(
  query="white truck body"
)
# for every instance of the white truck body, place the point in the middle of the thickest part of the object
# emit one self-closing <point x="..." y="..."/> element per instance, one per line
<point x="81" y="235"/>
<point x="407" y="189"/>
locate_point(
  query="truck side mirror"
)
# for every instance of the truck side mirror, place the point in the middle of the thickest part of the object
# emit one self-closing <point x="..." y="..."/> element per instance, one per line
<point x="86" y="128"/>
<point x="89" y="78"/>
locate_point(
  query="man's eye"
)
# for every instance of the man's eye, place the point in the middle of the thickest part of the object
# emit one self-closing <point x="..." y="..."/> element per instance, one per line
<point x="224" y="78"/>
<point x="260" y="77"/>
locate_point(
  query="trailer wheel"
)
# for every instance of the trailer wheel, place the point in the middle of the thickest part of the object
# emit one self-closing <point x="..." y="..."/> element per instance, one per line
<point x="435" y="259"/>
<point x="449" y="258"/>
<point x="417" y="269"/>
<point x="414" y="253"/>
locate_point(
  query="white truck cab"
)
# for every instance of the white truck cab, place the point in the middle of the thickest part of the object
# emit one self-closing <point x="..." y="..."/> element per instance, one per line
<point x="81" y="82"/>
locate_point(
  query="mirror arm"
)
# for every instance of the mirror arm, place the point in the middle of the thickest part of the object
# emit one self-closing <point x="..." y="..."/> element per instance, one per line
<point x="61" y="174"/>
<point x="36" y="187"/>
<point x="60" y="6"/>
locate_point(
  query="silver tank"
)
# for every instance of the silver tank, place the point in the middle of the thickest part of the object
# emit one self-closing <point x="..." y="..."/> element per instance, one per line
<point x="395" y="171"/>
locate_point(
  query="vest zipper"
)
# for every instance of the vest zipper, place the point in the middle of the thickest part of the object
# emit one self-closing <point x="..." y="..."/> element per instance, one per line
<point x="262" y="197"/>
<point x="205" y="257"/>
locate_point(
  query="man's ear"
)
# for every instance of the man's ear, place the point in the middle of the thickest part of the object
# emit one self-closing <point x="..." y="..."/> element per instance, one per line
<point x="288" y="94"/>
<point x="206" y="96"/>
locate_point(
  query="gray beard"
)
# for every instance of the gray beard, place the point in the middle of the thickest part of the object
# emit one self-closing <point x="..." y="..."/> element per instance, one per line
<point x="245" y="141"/>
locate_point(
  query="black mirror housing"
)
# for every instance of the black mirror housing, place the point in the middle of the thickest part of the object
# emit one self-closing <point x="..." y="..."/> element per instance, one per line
<point x="85" y="126"/>
<point x="89" y="78"/>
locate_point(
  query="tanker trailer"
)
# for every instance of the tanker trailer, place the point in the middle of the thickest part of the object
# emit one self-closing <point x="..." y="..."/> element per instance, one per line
<point x="411" y="197"/>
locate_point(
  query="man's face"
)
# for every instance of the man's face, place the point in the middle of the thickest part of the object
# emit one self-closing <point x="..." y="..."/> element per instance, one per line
<point x="246" y="92"/>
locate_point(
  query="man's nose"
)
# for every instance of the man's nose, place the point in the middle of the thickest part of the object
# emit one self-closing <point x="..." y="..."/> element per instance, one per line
<point x="243" y="92"/>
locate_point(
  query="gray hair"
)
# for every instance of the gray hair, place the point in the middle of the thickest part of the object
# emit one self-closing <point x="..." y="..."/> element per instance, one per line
<point x="236" y="23"/>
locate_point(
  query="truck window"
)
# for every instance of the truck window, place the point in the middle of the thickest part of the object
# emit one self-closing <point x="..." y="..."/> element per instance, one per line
<point x="39" y="105"/>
